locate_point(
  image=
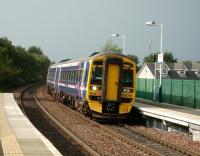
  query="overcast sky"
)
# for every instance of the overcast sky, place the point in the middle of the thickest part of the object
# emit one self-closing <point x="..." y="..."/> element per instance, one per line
<point x="76" y="28"/>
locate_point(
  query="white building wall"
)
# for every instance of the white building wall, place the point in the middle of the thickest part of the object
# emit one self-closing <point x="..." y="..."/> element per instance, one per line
<point x="146" y="73"/>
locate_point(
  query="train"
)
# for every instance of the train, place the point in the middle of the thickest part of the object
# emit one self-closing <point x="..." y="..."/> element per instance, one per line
<point x="102" y="85"/>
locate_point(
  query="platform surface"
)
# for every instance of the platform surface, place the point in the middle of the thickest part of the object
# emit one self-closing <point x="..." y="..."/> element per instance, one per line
<point x="175" y="114"/>
<point x="18" y="136"/>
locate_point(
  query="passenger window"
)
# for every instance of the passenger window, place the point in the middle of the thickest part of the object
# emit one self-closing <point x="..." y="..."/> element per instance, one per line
<point x="73" y="74"/>
<point x="77" y="75"/>
<point x="67" y="75"/>
<point x="70" y="75"/>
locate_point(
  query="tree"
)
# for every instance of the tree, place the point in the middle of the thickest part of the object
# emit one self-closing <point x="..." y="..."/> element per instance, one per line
<point x="110" y="46"/>
<point x="4" y="42"/>
<point x="186" y="62"/>
<point x="150" y="58"/>
<point x="35" y="50"/>
<point x="20" y="67"/>
<point x="168" y="57"/>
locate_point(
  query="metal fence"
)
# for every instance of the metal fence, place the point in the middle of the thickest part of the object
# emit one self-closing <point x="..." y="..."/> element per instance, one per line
<point x="178" y="92"/>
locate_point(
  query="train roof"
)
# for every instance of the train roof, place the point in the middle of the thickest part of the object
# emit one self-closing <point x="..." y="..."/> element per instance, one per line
<point x="88" y="58"/>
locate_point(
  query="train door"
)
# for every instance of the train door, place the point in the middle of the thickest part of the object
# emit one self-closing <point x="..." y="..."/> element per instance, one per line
<point x="82" y="88"/>
<point x="112" y="79"/>
<point x="112" y="82"/>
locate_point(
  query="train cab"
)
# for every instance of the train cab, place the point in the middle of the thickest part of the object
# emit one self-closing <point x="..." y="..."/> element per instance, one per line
<point x="111" y="85"/>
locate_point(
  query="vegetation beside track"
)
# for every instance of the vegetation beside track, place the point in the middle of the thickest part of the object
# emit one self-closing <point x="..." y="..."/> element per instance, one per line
<point x="20" y="66"/>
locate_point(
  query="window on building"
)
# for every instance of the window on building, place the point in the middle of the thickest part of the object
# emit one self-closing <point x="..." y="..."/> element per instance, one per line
<point x="165" y="71"/>
<point x="182" y="71"/>
<point x="198" y="73"/>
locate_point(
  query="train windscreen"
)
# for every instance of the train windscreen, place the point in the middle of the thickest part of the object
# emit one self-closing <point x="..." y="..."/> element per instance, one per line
<point x="96" y="76"/>
<point x="127" y="79"/>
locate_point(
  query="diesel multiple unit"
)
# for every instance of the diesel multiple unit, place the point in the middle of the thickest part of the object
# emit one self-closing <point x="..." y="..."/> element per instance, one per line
<point x="102" y="85"/>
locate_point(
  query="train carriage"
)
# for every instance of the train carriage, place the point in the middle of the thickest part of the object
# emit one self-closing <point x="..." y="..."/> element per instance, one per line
<point x="102" y="85"/>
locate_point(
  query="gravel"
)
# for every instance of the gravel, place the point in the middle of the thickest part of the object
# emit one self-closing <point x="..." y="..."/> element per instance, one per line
<point x="97" y="138"/>
<point x="101" y="141"/>
<point x="179" y="139"/>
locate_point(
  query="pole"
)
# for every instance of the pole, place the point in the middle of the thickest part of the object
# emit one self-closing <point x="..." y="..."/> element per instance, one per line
<point x="154" y="85"/>
<point x="161" y="51"/>
<point x="195" y="105"/>
<point x="123" y="38"/>
<point x="160" y="60"/>
<point x="161" y="38"/>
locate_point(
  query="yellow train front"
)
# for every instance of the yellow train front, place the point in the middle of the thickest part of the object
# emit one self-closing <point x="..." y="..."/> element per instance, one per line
<point x="111" y="85"/>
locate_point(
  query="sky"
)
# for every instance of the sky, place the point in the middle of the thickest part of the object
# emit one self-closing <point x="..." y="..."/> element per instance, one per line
<point x="76" y="28"/>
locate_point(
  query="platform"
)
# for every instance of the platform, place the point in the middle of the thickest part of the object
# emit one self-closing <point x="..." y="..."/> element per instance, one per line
<point x="171" y="114"/>
<point x="18" y="136"/>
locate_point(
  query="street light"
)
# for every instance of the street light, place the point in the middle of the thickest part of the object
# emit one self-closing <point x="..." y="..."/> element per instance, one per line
<point x="160" y="56"/>
<point x="123" y="40"/>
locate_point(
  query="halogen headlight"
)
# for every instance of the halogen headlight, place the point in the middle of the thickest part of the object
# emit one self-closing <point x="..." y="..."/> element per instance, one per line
<point x="127" y="90"/>
<point x="95" y="88"/>
<point x="124" y="89"/>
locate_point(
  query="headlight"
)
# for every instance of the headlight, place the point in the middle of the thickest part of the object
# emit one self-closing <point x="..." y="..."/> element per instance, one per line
<point x="124" y="90"/>
<point x="95" y="88"/>
<point x="127" y="90"/>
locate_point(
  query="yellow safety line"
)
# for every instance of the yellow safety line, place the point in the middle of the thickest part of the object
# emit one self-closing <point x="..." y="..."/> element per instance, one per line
<point x="9" y="141"/>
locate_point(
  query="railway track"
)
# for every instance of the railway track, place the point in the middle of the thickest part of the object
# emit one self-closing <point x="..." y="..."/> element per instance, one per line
<point x="99" y="139"/>
<point x="161" y="142"/>
<point x="154" y="143"/>
<point x="62" y="142"/>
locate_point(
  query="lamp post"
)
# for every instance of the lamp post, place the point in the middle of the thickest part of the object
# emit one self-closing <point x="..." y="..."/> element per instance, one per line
<point x="123" y="40"/>
<point x="160" y="56"/>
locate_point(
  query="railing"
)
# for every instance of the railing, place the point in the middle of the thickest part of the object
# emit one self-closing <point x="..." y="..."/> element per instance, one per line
<point x="179" y="92"/>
